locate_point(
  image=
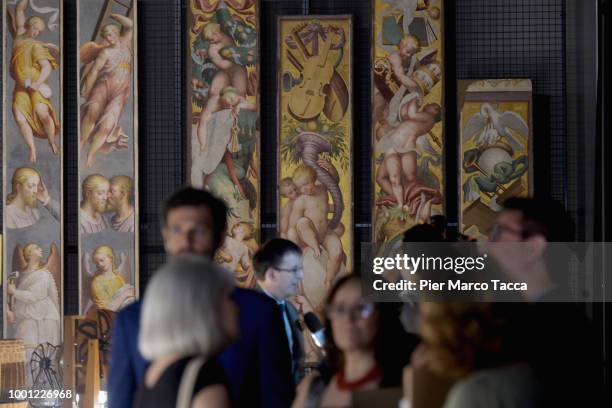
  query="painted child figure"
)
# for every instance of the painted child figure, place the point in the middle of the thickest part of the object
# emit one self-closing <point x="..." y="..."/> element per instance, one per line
<point x="308" y="223"/>
<point x="290" y="192"/>
<point x="235" y="254"/>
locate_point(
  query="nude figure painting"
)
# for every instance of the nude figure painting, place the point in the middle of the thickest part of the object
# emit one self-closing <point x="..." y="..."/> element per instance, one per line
<point x="407" y="139"/>
<point x="315" y="142"/>
<point x="223" y="112"/>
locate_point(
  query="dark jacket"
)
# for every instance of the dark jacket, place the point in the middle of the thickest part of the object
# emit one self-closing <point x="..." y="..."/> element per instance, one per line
<point x="298" y="336"/>
<point x="258" y="365"/>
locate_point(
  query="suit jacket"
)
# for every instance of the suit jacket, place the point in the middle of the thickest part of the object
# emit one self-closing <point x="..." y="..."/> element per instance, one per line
<point x="297" y="354"/>
<point x="258" y="365"/>
<point x="298" y="340"/>
<point x="127" y="366"/>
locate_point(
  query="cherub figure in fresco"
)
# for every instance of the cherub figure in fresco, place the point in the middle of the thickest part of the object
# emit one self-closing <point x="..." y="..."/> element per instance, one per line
<point x="397" y="175"/>
<point x="308" y="222"/>
<point x="31" y="66"/>
<point x="231" y="71"/>
<point x="105" y="84"/>
<point x="403" y="63"/>
<point x="236" y="254"/>
<point x="288" y="190"/>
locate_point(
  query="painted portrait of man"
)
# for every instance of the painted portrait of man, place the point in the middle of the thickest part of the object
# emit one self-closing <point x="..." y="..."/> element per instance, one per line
<point x="94" y="204"/>
<point x="28" y="194"/>
<point x="120" y="204"/>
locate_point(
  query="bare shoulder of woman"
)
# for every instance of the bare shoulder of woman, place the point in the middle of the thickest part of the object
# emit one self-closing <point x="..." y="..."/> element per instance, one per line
<point x="213" y="396"/>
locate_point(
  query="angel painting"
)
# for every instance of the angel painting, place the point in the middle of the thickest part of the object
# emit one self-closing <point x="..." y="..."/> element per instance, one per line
<point x="105" y="84"/>
<point x="108" y="283"/>
<point x="224" y="85"/>
<point x="33" y="296"/>
<point x="31" y="66"/>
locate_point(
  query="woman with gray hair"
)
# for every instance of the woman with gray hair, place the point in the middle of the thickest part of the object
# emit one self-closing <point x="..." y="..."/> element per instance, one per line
<point x="187" y="317"/>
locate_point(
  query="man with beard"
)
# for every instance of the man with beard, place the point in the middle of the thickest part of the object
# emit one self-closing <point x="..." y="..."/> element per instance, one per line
<point x="95" y="196"/>
<point x="21" y="203"/>
<point x="120" y="195"/>
<point x="258" y="364"/>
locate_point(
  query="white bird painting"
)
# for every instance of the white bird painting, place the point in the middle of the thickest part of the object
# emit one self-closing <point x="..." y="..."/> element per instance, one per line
<point x="489" y="126"/>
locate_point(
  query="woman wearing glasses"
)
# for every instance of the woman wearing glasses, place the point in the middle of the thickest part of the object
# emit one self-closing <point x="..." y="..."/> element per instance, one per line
<point x="357" y="359"/>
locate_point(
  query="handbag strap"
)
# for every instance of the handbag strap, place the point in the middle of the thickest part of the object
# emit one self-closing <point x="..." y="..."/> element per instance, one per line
<point x="188" y="381"/>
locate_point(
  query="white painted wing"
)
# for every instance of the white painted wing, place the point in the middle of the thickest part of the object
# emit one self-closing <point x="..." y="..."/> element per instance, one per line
<point x="124" y="267"/>
<point x="475" y="124"/>
<point x="513" y="121"/>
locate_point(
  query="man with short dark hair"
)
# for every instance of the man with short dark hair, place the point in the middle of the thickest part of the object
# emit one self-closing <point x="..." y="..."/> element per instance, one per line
<point x="563" y="343"/>
<point x="533" y="223"/>
<point x="278" y="269"/>
<point x="258" y="369"/>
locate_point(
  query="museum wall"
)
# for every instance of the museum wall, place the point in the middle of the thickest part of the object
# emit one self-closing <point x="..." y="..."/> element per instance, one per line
<point x="484" y="39"/>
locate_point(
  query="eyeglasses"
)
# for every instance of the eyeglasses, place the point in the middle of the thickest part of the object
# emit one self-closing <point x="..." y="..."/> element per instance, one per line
<point x="294" y="271"/>
<point x="362" y="311"/>
<point x="497" y="230"/>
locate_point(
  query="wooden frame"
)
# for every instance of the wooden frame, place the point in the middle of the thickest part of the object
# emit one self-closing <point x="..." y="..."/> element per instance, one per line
<point x="108" y="153"/>
<point x="228" y="165"/>
<point x="32" y="172"/>
<point x="511" y="102"/>
<point x="92" y="385"/>
<point x="303" y="141"/>
<point x="408" y="174"/>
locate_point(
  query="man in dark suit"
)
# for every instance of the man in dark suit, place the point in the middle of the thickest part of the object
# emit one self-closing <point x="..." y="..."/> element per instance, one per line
<point x="258" y="365"/>
<point x="278" y="269"/>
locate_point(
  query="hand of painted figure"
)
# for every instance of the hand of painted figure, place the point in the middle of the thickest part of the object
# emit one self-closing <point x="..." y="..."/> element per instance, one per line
<point x="42" y="194"/>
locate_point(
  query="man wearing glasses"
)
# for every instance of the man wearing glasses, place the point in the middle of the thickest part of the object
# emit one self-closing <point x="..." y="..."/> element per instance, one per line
<point x="522" y="231"/>
<point x="562" y="344"/>
<point x="278" y="269"/>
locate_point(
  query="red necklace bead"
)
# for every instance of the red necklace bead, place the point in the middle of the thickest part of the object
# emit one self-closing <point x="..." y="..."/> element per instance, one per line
<point x="374" y="373"/>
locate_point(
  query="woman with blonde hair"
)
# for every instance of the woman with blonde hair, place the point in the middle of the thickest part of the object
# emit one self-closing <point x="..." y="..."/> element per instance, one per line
<point x="182" y="337"/>
<point x="481" y="346"/>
